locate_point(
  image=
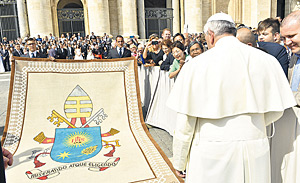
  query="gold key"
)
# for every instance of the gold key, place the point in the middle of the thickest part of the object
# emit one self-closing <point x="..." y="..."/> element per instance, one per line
<point x="60" y="119"/>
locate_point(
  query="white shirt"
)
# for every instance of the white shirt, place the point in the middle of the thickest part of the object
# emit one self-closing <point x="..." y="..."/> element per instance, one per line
<point x="122" y="50"/>
<point x="30" y="54"/>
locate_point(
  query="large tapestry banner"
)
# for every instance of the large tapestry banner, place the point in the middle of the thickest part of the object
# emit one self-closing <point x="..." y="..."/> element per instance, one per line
<point x="80" y="121"/>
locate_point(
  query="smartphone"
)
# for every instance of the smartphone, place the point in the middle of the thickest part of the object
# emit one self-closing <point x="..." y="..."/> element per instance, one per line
<point x="154" y="42"/>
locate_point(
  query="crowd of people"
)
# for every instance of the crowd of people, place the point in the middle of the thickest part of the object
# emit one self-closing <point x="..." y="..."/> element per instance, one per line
<point x="156" y="52"/>
<point x="224" y="97"/>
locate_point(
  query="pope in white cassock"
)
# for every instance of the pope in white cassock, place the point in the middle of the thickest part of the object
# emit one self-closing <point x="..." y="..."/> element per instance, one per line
<point x="224" y="100"/>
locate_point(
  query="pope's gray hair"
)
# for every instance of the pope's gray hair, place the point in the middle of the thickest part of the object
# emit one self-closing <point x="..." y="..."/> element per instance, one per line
<point x="220" y="27"/>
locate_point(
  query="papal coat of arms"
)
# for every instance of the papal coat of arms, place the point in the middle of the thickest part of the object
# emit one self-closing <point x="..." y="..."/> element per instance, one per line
<point x="76" y="143"/>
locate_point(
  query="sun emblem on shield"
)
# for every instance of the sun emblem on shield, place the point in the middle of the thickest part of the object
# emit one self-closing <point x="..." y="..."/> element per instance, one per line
<point x="77" y="139"/>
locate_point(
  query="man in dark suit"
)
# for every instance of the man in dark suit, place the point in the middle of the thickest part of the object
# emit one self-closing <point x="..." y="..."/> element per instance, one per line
<point x="92" y="37"/>
<point x="43" y="49"/>
<point x="120" y="51"/>
<point x="108" y="41"/>
<point x="33" y="53"/>
<point x="62" y="52"/>
<point x="71" y="52"/>
<point x="279" y="52"/>
<point x="84" y="48"/>
<point x="5" y="58"/>
<point x="18" y="52"/>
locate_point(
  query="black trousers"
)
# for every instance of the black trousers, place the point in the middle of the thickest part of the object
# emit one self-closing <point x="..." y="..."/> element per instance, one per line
<point x="6" y="64"/>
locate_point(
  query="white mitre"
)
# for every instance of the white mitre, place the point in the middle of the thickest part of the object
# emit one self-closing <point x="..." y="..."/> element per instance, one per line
<point x="230" y="79"/>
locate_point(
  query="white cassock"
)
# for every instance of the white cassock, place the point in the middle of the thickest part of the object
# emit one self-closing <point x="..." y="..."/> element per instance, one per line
<point x="224" y="98"/>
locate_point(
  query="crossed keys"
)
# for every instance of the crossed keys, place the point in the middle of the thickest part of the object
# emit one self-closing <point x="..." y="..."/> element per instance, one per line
<point x="98" y="117"/>
<point x="58" y="119"/>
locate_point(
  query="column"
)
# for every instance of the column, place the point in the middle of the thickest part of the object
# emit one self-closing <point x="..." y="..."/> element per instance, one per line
<point x="176" y="15"/>
<point x="39" y="17"/>
<point x="129" y="18"/>
<point x="235" y="10"/>
<point x="141" y="19"/>
<point x="193" y="15"/>
<point x="246" y="14"/>
<point x="55" y="20"/>
<point x="213" y="7"/>
<point x="182" y="15"/>
<point x="22" y="16"/>
<point x="287" y="6"/>
<point x="98" y="11"/>
<point x="274" y="8"/>
<point x="208" y="8"/>
<point x="168" y="3"/>
<point x="260" y="10"/>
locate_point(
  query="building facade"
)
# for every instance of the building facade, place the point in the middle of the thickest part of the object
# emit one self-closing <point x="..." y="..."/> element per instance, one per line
<point x="132" y="17"/>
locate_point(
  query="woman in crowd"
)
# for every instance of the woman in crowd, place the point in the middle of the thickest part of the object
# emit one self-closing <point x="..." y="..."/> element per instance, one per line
<point x="133" y="50"/>
<point x="195" y="48"/>
<point x="153" y="51"/>
<point x="46" y="39"/>
<point x="92" y="44"/>
<point x="90" y="55"/>
<point x="105" y="52"/>
<point x="10" y="54"/>
<point x="140" y="51"/>
<point x="62" y="38"/>
<point x="180" y="58"/>
<point x="167" y="57"/>
<point x="78" y="54"/>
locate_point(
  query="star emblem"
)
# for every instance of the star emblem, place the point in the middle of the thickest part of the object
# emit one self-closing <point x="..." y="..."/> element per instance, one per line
<point x="64" y="155"/>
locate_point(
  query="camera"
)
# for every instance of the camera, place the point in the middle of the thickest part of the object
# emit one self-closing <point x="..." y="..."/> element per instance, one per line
<point x="154" y="42"/>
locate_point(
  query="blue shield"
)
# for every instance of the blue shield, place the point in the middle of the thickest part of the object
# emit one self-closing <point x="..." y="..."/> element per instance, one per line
<point x="76" y="144"/>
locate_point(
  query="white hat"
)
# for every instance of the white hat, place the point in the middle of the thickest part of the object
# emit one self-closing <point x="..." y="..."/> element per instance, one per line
<point x="221" y="16"/>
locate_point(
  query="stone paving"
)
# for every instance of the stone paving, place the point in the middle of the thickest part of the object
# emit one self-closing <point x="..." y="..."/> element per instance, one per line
<point x="4" y="88"/>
